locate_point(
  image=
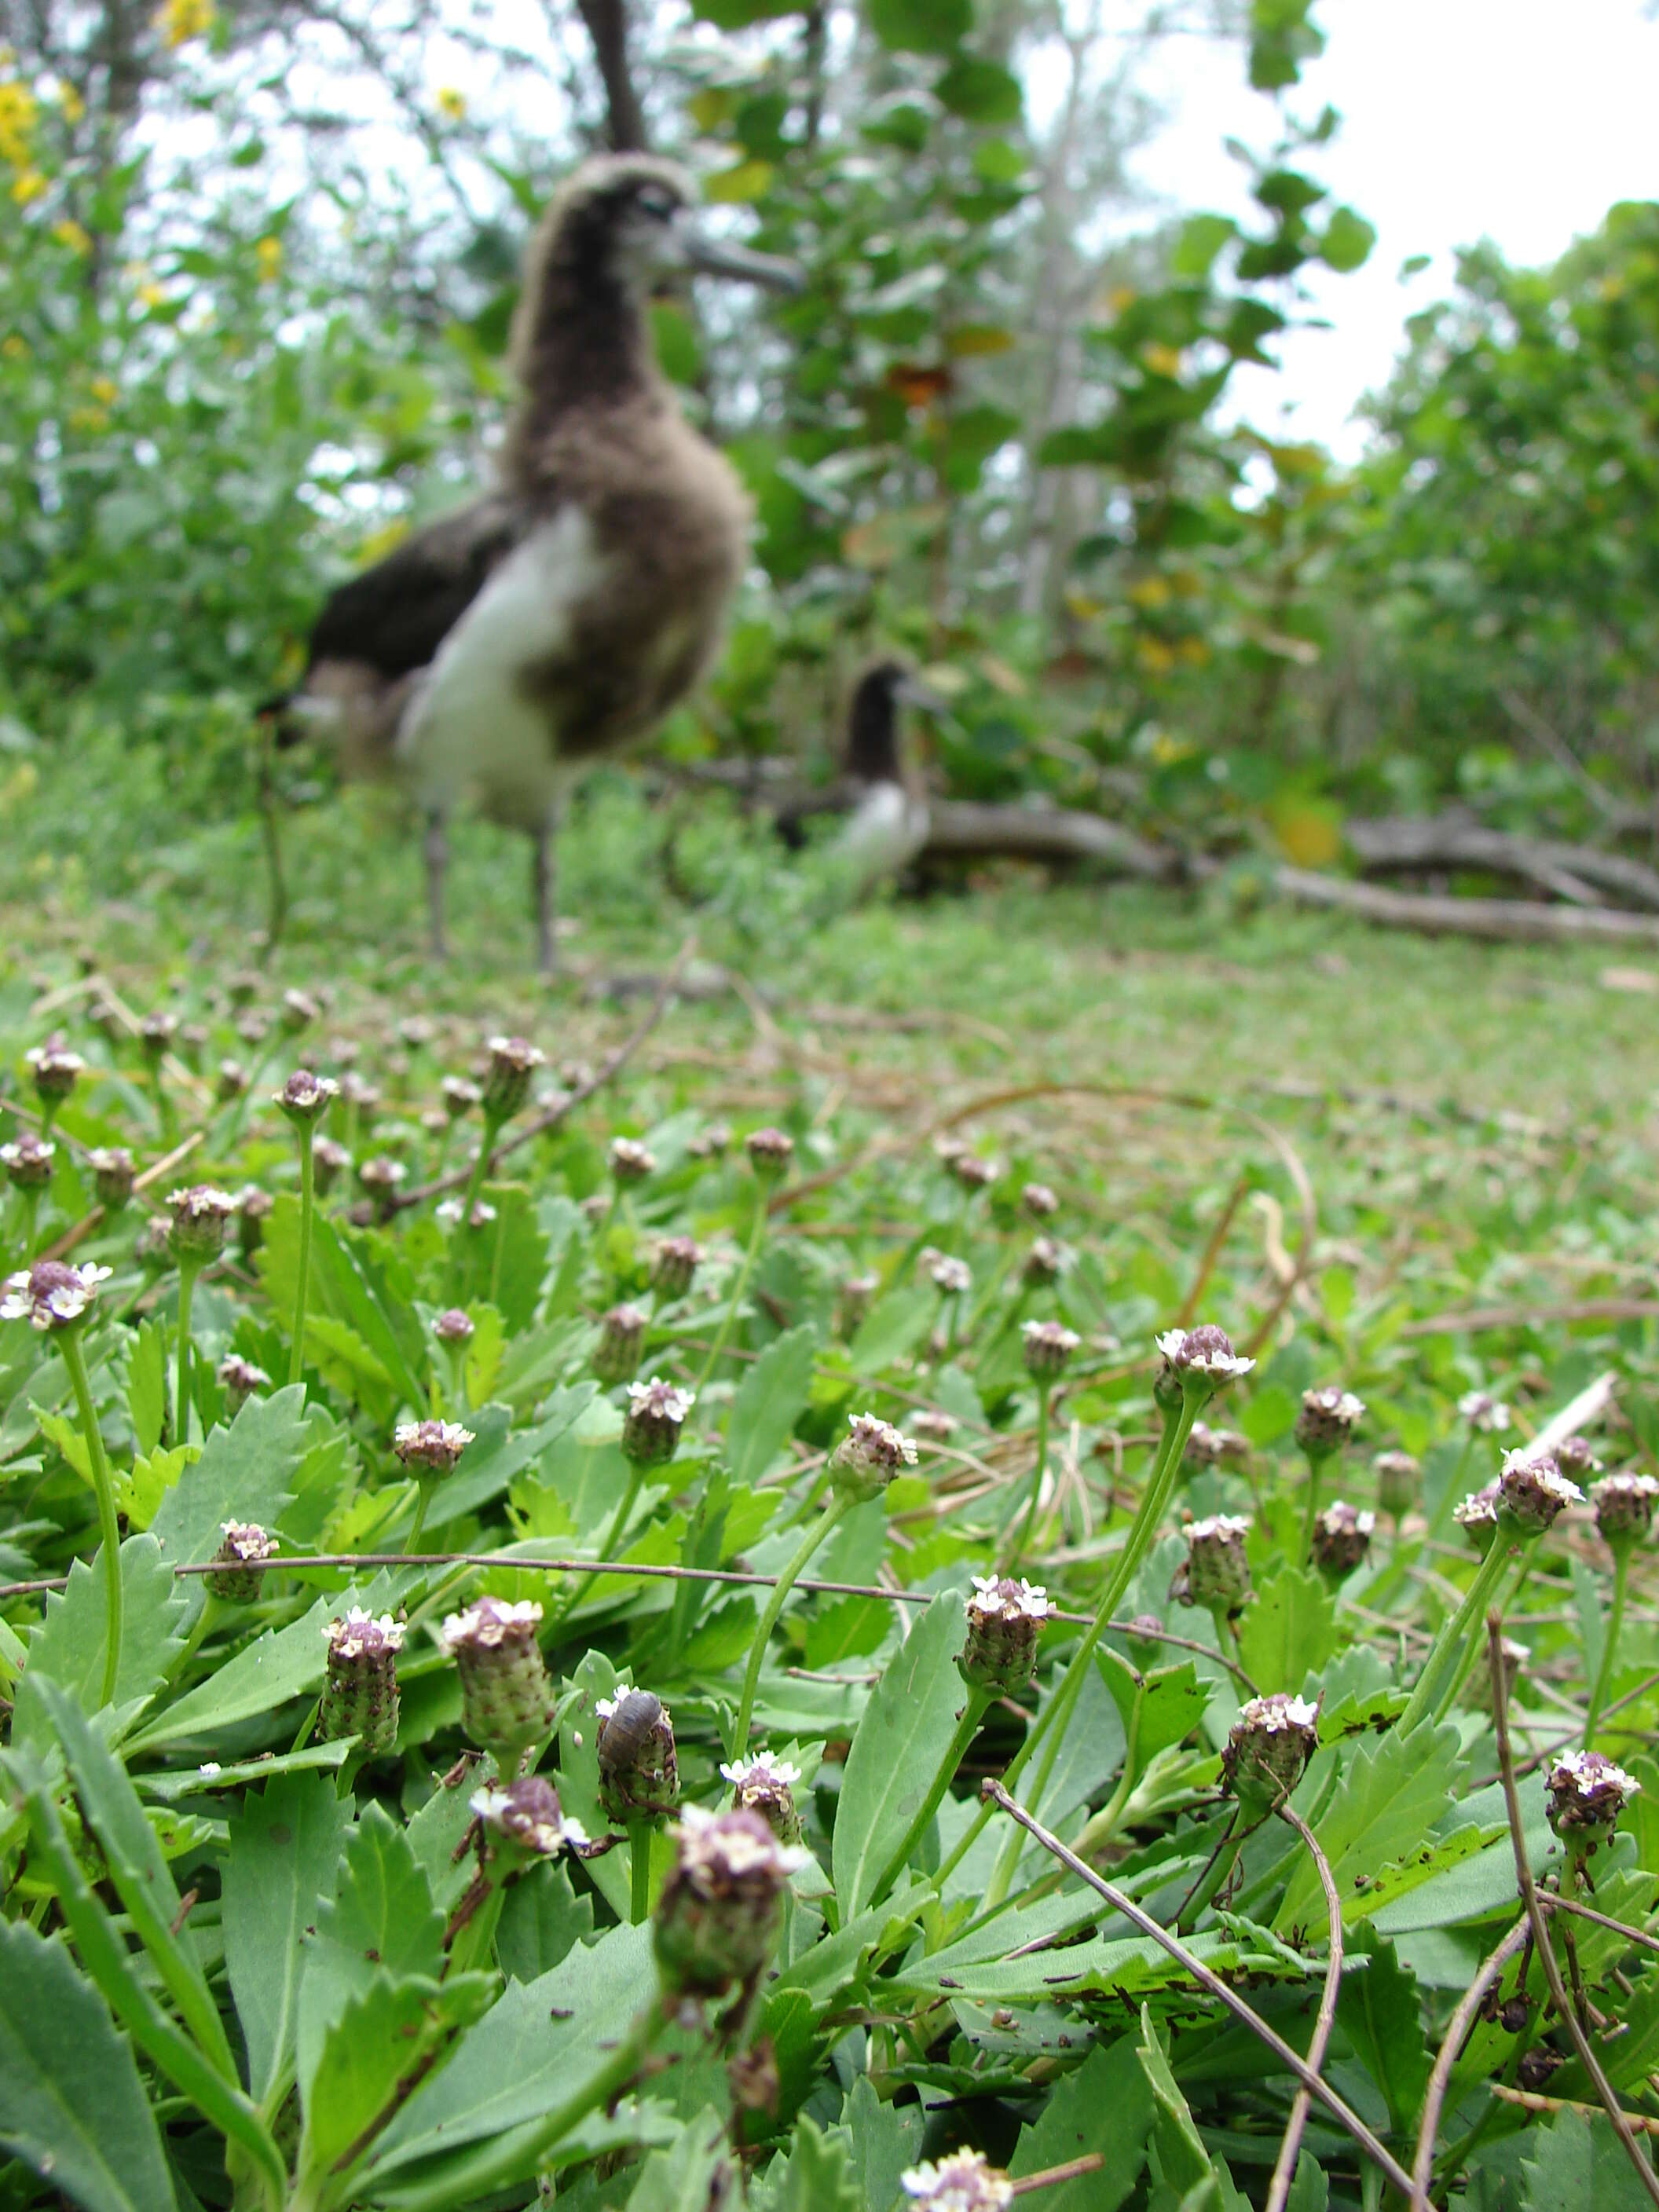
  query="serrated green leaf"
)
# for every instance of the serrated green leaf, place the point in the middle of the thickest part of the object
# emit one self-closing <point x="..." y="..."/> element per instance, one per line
<point x="1393" y="1792"/>
<point x="911" y="1712"/>
<point x="1288" y="1630"/>
<point x="285" y="1845"/>
<point x="147" y="1384"/>
<point x="381" y="1918"/>
<point x="246" y="1473"/>
<point x="542" y="1922"/>
<point x="770" y="1400"/>
<point x="505" y="1263"/>
<point x="68" y="1647"/>
<point x="817" y="2176"/>
<point x="882" y="2139"/>
<point x="282" y="1664"/>
<point x="1105" y="2105"/>
<point x="1183" y="2175"/>
<point x="388" y="2031"/>
<point x="139" y="1494"/>
<point x="71" y="2104"/>
<point x="682" y="2176"/>
<point x="1380" y="2010"/>
<point x="1574" y="2164"/>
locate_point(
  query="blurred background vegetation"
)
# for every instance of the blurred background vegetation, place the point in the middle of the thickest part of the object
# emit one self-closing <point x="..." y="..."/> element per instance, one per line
<point x="257" y="265"/>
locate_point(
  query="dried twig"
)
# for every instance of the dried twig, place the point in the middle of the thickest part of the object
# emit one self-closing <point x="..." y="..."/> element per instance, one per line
<point x="1446" y="2058"/>
<point x="1533" y="2100"/>
<point x="1541" y="1942"/>
<point x="1290" y="2149"/>
<point x="153" y="1174"/>
<point x="1052" y="2176"/>
<point x="1208" y="1979"/>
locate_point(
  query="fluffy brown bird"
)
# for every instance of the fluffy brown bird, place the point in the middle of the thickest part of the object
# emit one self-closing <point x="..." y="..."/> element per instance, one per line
<point x="494" y="654"/>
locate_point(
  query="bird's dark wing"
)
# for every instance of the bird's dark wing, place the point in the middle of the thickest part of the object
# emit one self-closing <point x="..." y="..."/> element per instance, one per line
<point x="396" y="615"/>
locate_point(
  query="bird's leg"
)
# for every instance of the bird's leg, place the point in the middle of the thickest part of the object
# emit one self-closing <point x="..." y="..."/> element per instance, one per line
<point x="437" y="860"/>
<point x="545" y="880"/>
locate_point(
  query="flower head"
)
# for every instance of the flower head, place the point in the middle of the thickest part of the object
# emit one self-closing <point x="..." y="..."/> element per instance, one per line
<point x="235" y="1575"/>
<point x="966" y="2181"/>
<point x="722" y="1905"/>
<point x="639" y="1765"/>
<point x="1534" y="1489"/>
<point x="454" y="1325"/>
<point x="329" y="1159"/>
<point x="853" y="1302"/>
<point x="201" y="1213"/>
<point x="765" y="1784"/>
<point x="622" y="1340"/>
<point x="253" y="1209"/>
<point x="1004" y="1619"/>
<point x="56" y="1071"/>
<point x="630" y="1161"/>
<point x="1215" y="1573"/>
<point x="460" y="1096"/>
<point x="382" y="1178"/>
<point x="27" y="1160"/>
<point x="513" y="1061"/>
<point x="651" y="1427"/>
<point x="1039" y="1201"/>
<point x="1624" y="1506"/>
<point x="972" y="1172"/>
<point x="304" y="1097"/>
<point x="1341" y="1537"/>
<point x="113" y="1172"/>
<point x="1477" y="1516"/>
<point x="155" y="1034"/>
<point x="1486" y="1413"/>
<point x="1576" y="1456"/>
<point x="506" y="1696"/>
<point x="1045" y="1263"/>
<point x="1201" y="1360"/>
<point x="434" y="1447"/>
<point x="359" y="1685"/>
<point x="1049" y="1346"/>
<point x="951" y="1277"/>
<point x="1328" y="1418"/>
<point x="1269" y="1745"/>
<point x="527" y="1818"/>
<point x="674" y="1267"/>
<point x="52" y="1293"/>
<point x="770" y="1151"/>
<point x="240" y="1379"/>
<point x="1584" y="1794"/>
<point x="232" y="1082"/>
<point x="1208" y="1446"/>
<point x="1398" y="1475"/>
<point x="870" y="1455"/>
<point x="299" y="1011"/>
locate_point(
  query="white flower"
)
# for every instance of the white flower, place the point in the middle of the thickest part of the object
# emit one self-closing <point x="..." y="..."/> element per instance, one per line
<point x="360" y="1631"/>
<point x="953" y="1277"/>
<point x="874" y="1446"/>
<point x="1204" y="1351"/>
<point x="209" y="1770"/>
<point x="528" y="1814"/>
<point x="490" y="1623"/>
<point x="997" y="1597"/>
<point x="964" y="2181"/>
<point x="1482" y="1411"/>
<point x="1217" y="1527"/>
<point x="1279" y="1711"/>
<point x="51" y="1294"/>
<point x="764" y="1768"/>
<point x="664" y="1401"/>
<point x="719" y="1848"/>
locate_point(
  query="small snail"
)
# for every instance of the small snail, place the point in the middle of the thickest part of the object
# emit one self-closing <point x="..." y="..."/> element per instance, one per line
<point x="639" y="1771"/>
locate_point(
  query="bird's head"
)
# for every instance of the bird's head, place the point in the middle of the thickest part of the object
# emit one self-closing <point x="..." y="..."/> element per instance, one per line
<point x="881" y="688"/>
<point x="633" y="217"/>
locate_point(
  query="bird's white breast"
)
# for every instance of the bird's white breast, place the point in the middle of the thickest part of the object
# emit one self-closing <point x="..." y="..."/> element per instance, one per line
<point x="473" y="729"/>
<point x="883" y="834"/>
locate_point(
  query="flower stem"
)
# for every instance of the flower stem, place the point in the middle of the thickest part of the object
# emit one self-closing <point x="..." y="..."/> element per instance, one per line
<point x="1050" y="1723"/>
<point x="740" y="1285"/>
<point x="296" y="1355"/>
<point x="75" y="1359"/>
<point x="1610" y="1643"/>
<point x="422" y="1503"/>
<point x="1448" y="1647"/>
<point x="1316" y="1481"/>
<point x="1041" y="1469"/>
<point x="954" y="1752"/>
<point x="639" y="1851"/>
<point x="188" y="1271"/>
<point x="492" y="1130"/>
<point x="837" y="1504"/>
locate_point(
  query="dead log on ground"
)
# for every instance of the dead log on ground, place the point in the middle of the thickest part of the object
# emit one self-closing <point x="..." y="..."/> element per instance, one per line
<point x="1577" y="873"/>
<point x="1516" y="921"/>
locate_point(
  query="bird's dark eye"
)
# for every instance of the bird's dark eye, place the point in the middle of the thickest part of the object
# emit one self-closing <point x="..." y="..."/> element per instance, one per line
<point x="657" y="205"/>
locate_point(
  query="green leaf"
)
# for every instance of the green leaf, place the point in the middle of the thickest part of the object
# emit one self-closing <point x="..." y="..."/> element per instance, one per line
<point x="282" y="1664"/>
<point x="284" y="1848"/>
<point x="682" y="2176"/>
<point x="1381" y="2012"/>
<point x="139" y="1495"/>
<point x="1288" y="1630"/>
<point x="1573" y="2165"/>
<point x="246" y="1473"/>
<point x="981" y="91"/>
<point x="1107" y="2104"/>
<point x="770" y="1400"/>
<point x="68" y="1647"/>
<point x="528" y="2054"/>
<point x="911" y="1715"/>
<point x="1347" y="241"/>
<point x="818" y="2177"/>
<point x="388" y="2030"/>
<point x="504" y="1264"/>
<point x="110" y="1808"/>
<point x="921" y="26"/>
<point x="1181" y="2172"/>
<point x="380" y="1919"/>
<point x="542" y="1922"/>
<point x="882" y="2139"/>
<point x="147" y="1385"/>
<point x="1202" y="237"/>
<point x="71" y="2105"/>
<point x="1394" y="1793"/>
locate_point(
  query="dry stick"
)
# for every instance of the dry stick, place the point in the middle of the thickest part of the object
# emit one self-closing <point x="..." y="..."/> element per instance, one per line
<point x="1545" y="1949"/>
<point x="1206" y="1978"/>
<point x="1290" y="2149"/>
<point x="539" y="1124"/>
<point x="153" y="1174"/>
<point x="1588" y="1912"/>
<point x="1533" y="2100"/>
<point x="1446" y="2058"/>
<point x="1213" y="1251"/>
<point x="1052" y="2176"/>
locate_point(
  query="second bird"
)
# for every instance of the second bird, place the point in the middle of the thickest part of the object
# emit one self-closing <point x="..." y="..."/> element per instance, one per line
<point x="496" y="653"/>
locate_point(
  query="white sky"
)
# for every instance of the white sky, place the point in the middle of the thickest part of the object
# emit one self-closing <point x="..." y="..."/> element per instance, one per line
<point x="1521" y="120"/>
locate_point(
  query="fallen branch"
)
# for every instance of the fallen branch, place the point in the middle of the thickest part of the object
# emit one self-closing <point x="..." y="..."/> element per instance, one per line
<point x="963" y="829"/>
<point x="1568" y="871"/>
<point x="1509" y="921"/>
<point x="1457" y="2029"/>
<point x="1290" y="2150"/>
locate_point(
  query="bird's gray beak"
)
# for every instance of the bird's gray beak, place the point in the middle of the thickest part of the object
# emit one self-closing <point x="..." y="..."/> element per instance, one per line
<point x="910" y="692"/>
<point x="719" y="257"/>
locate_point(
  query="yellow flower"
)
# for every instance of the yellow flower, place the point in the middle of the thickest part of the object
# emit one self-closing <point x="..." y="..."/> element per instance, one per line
<point x="268" y="257"/>
<point x="151" y="296"/>
<point x="19" y="110"/>
<point x="451" y="102"/>
<point x="72" y="234"/>
<point x="1154" y="656"/>
<point x="71" y="105"/>
<point x="27" y="187"/>
<point x="15" y="348"/>
<point x="89" y="418"/>
<point x="1162" y="359"/>
<point x="105" y="390"/>
<point x="180" y="20"/>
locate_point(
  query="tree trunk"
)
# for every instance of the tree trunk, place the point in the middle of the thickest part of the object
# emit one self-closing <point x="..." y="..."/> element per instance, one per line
<point x="607" y="27"/>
